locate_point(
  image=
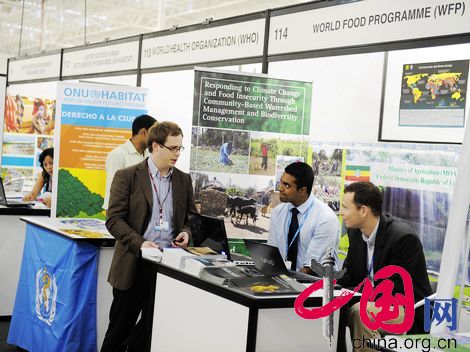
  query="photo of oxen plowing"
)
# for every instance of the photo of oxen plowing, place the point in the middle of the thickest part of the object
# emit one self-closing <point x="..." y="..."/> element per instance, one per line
<point x="244" y="202"/>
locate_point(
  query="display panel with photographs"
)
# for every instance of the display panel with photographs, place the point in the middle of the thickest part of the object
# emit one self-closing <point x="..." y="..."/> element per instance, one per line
<point x="28" y="130"/>
<point x="246" y="129"/>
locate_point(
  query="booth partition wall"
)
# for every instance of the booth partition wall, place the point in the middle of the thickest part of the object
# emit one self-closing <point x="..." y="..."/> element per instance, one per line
<point x="367" y="70"/>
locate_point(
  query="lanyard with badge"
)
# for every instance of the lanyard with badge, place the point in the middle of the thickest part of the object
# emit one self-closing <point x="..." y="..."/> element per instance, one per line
<point x="160" y="224"/>
<point x="298" y="230"/>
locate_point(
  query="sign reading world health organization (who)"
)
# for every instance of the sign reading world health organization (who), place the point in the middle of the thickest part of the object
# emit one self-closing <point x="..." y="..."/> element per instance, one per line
<point x="234" y="41"/>
<point x="91" y="120"/>
<point x="366" y="22"/>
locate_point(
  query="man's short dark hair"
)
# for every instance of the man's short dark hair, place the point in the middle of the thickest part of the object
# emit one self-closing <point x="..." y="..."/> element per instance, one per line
<point x="160" y="131"/>
<point x="303" y="174"/>
<point x="368" y="194"/>
<point x="142" y="121"/>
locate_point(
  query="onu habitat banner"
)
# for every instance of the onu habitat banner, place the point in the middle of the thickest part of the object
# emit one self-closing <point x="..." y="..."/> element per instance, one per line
<point x="56" y="294"/>
<point x="92" y="120"/>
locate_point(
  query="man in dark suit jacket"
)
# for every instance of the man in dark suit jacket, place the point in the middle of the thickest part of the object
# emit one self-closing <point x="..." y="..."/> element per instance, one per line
<point x="375" y="241"/>
<point x="149" y="207"/>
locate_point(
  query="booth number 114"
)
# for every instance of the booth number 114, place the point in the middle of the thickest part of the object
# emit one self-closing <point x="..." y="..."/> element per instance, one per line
<point x="280" y="33"/>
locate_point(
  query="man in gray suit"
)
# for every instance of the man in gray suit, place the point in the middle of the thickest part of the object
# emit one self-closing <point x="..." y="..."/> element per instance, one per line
<point x="149" y="206"/>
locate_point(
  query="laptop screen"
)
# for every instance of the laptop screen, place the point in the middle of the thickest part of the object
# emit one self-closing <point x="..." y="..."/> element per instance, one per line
<point x="268" y="259"/>
<point x="209" y="232"/>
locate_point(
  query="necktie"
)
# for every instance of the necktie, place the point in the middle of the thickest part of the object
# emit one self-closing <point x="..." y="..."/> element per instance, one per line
<point x="293" y="249"/>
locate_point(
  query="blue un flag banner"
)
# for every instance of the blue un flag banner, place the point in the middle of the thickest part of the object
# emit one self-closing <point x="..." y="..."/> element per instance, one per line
<point x="55" y="306"/>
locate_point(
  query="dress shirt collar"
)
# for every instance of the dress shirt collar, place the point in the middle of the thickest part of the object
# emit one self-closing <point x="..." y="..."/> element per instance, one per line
<point x="155" y="172"/>
<point x="304" y="206"/>
<point x="371" y="240"/>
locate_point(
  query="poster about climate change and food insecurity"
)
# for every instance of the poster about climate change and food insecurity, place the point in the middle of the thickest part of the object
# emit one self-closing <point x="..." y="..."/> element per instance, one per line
<point x="245" y="127"/>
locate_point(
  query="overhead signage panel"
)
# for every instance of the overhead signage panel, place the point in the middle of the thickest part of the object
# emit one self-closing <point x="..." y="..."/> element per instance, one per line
<point x="40" y="67"/>
<point x="235" y="41"/>
<point x="111" y="58"/>
<point x="367" y="22"/>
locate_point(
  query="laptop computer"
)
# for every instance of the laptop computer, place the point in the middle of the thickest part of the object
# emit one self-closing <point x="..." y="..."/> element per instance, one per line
<point x="208" y="231"/>
<point x="10" y="202"/>
<point x="268" y="260"/>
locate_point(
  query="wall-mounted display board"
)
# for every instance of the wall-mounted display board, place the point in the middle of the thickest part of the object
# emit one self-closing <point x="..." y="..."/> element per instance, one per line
<point x="218" y="43"/>
<point x="245" y="130"/>
<point x="28" y="130"/>
<point x="92" y="120"/>
<point x="426" y="94"/>
<point x="34" y="68"/>
<point x="366" y="22"/>
<point x="108" y="57"/>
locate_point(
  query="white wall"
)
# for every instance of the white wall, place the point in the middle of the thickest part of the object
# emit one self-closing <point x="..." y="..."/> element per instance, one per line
<point x="128" y="80"/>
<point x="46" y="90"/>
<point x="3" y="64"/>
<point x="346" y="94"/>
<point x="3" y="82"/>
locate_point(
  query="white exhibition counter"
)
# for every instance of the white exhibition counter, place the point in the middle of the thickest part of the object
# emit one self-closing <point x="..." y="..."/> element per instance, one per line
<point x="191" y="314"/>
<point x="12" y="232"/>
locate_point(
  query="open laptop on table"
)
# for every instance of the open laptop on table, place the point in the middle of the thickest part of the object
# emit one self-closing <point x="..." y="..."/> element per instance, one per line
<point x="11" y="202"/>
<point x="208" y="231"/>
<point x="268" y="260"/>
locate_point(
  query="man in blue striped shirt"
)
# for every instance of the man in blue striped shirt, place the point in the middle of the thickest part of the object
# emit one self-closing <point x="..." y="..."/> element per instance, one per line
<point x="302" y="227"/>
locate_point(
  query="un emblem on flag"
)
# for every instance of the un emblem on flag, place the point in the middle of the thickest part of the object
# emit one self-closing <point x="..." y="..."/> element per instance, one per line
<point x="46" y="296"/>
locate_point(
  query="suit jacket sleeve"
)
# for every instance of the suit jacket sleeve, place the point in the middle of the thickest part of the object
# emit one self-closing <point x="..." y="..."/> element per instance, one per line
<point x="406" y="255"/>
<point x="190" y="206"/>
<point x="118" y="212"/>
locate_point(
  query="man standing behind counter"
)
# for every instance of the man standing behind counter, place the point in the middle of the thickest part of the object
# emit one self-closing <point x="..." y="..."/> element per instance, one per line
<point x="130" y="153"/>
<point x="148" y="207"/>
<point x="302" y="227"/>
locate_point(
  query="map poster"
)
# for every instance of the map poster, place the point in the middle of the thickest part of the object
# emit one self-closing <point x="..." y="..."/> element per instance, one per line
<point x="434" y="94"/>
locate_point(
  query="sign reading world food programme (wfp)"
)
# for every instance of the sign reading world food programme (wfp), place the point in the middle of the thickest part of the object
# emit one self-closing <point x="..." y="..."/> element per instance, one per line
<point x="235" y="41"/>
<point x="367" y="22"/>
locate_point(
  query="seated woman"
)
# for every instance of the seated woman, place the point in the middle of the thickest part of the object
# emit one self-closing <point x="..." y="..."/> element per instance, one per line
<point x="46" y="159"/>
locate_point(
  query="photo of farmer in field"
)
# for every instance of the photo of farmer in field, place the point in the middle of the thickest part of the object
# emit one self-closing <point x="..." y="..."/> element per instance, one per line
<point x="218" y="150"/>
<point x="265" y="147"/>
